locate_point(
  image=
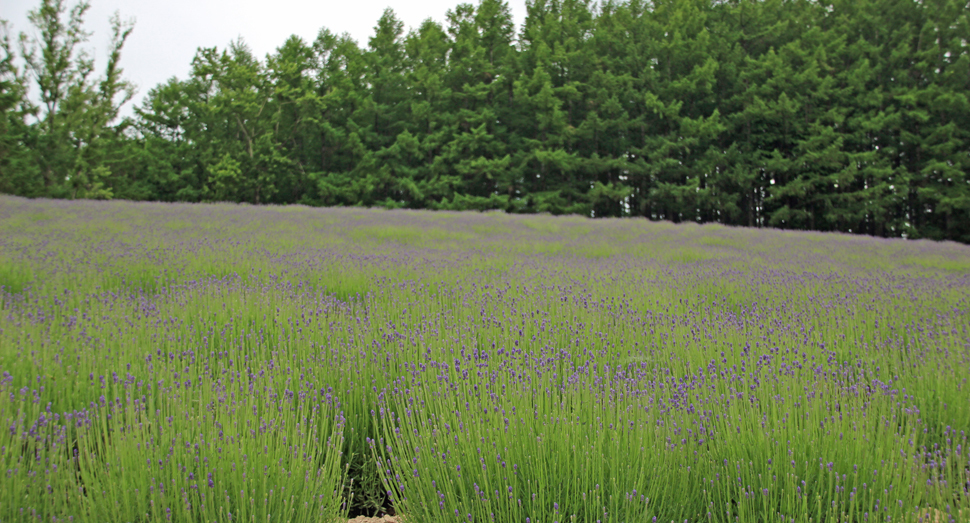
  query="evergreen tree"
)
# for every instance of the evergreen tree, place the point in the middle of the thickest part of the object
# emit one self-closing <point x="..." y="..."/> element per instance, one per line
<point x="480" y="77"/>
<point x="344" y="111"/>
<point x="831" y="115"/>
<point x="18" y="174"/>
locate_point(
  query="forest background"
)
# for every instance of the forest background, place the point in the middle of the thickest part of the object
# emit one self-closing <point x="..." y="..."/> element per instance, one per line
<point x="846" y="115"/>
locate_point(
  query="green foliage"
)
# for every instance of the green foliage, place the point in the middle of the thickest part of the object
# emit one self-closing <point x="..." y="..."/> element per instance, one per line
<point x="14" y="279"/>
<point x="564" y="362"/>
<point x="17" y="173"/>
<point x="842" y="115"/>
<point x="74" y="147"/>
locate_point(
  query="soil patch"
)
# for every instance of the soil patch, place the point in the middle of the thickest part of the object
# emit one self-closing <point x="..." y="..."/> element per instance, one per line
<point x="382" y="519"/>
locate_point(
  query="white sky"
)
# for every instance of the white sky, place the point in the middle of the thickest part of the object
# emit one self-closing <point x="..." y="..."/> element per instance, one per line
<point x="168" y="32"/>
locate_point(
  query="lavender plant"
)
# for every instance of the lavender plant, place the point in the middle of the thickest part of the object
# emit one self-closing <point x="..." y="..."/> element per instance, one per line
<point x="226" y="363"/>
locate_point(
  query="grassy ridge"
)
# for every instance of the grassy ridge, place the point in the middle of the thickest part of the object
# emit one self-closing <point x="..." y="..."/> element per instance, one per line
<point x="212" y="363"/>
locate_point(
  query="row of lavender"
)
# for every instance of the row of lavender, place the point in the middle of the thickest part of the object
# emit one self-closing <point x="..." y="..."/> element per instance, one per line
<point x="223" y="363"/>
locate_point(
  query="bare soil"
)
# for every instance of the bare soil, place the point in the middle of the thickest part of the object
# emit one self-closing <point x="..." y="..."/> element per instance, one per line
<point x="383" y="519"/>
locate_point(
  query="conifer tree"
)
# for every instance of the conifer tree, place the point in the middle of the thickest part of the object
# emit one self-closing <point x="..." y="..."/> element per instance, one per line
<point x="18" y="174"/>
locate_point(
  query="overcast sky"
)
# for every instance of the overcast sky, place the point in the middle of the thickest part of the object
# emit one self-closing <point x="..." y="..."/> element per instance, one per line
<point x="167" y="32"/>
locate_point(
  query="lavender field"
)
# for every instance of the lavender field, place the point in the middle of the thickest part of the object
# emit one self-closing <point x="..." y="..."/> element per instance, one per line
<point x="166" y="362"/>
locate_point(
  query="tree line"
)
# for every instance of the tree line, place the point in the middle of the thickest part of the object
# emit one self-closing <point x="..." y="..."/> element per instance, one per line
<point x="832" y="115"/>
